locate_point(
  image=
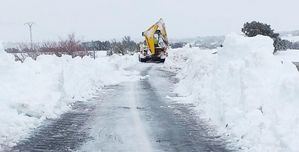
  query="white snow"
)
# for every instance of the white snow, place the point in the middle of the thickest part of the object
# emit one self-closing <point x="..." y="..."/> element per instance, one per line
<point x="35" y="90"/>
<point x="289" y="55"/>
<point x="247" y="92"/>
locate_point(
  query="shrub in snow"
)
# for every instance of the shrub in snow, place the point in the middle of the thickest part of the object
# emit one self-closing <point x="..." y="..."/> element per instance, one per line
<point x="126" y="46"/>
<point x="177" y="45"/>
<point x="280" y="44"/>
<point x="244" y="89"/>
<point x="295" y="46"/>
<point x="257" y="28"/>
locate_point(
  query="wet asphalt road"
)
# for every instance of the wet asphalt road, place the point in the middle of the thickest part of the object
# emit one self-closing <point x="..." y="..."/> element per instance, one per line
<point x="178" y="127"/>
<point x="59" y="135"/>
<point x="134" y="116"/>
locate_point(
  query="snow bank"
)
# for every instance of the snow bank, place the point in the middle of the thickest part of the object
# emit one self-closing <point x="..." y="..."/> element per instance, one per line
<point x="245" y="90"/>
<point x="35" y="90"/>
<point x="289" y="55"/>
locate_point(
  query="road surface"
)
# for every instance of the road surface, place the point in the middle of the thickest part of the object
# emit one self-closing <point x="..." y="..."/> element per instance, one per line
<point x="135" y="116"/>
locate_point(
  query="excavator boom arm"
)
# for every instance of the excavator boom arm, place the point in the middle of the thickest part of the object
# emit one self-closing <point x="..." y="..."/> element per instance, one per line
<point x="149" y="35"/>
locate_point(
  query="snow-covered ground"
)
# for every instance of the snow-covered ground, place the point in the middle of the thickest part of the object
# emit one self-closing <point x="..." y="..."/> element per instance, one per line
<point x="250" y="94"/>
<point x="289" y="55"/>
<point x="33" y="91"/>
<point x="247" y="92"/>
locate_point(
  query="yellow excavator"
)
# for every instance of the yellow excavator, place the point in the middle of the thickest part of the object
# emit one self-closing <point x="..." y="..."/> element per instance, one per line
<point x="154" y="48"/>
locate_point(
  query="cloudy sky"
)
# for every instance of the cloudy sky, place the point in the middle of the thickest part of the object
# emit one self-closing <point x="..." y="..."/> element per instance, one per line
<point x="108" y="19"/>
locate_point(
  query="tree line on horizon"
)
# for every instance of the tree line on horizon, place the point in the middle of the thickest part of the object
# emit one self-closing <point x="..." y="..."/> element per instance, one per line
<point x="73" y="47"/>
<point x="76" y="48"/>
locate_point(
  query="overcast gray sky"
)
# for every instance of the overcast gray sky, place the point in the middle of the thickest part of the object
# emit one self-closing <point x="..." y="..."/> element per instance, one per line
<point x="108" y="19"/>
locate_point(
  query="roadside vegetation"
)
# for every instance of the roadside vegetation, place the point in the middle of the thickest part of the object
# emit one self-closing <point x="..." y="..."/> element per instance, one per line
<point x="255" y="28"/>
<point x="72" y="46"/>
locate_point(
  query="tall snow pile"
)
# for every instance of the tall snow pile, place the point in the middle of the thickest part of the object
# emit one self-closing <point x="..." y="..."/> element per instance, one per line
<point x="35" y="90"/>
<point x="289" y="55"/>
<point x="245" y="90"/>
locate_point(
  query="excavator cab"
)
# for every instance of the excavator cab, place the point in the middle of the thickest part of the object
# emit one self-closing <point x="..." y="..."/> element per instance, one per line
<point x="154" y="48"/>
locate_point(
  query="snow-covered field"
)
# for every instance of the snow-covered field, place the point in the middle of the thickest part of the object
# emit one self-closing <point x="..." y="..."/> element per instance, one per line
<point x="33" y="91"/>
<point x="247" y="92"/>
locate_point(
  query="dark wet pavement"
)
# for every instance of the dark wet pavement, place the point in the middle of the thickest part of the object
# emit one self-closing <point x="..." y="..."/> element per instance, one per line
<point x="174" y="126"/>
<point x="60" y="135"/>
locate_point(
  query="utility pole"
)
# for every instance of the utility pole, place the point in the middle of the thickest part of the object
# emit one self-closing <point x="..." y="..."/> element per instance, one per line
<point x="29" y="24"/>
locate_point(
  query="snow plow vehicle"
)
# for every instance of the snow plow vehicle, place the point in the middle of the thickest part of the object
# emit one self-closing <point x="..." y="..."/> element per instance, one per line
<point x="154" y="48"/>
